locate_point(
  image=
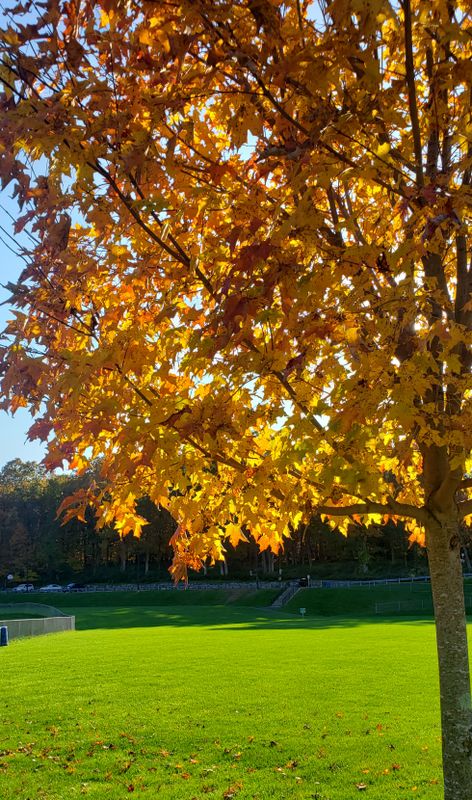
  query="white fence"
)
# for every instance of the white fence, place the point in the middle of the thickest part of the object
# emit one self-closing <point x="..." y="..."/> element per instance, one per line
<point x="181" y="587"/>
<point x="374" y="582"/>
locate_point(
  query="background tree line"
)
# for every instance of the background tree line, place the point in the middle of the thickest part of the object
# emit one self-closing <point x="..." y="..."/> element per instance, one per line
<point x="35" y="545"/>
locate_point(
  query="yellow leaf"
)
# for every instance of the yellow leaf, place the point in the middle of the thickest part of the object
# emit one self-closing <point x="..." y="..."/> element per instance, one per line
<point x="383" y="149"/>
<point x="106" y="17"/>
<point x="145" y="37"/>
<point x="235" y="534"/>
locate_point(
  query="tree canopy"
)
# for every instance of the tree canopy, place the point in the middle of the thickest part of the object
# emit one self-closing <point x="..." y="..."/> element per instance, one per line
<point x="247" y="284"/>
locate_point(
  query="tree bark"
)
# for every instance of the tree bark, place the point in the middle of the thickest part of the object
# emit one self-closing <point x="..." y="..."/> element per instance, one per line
<point x="443" y="544"/>
<point x="123" y="556"/>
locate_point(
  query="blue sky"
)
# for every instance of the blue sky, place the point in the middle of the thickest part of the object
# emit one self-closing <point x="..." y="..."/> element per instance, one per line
<point x="12" y="429"/>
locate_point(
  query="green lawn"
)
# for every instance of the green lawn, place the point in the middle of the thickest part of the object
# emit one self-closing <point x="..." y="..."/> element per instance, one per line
<point x="361" y="601"/>
<point x="189" y="702"/>
<point x="172" y="597"/>
<point x="358" y="601"/>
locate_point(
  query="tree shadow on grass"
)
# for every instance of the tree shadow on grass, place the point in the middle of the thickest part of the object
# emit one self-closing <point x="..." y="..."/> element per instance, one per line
<point x="224" y="618"/>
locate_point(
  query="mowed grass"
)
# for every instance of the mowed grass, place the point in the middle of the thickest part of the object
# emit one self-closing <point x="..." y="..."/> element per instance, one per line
<point x="360" y="601"/>
<point x="221" y="702"/>
<point x="400" y="599"/>
<point x="169" y="597"/>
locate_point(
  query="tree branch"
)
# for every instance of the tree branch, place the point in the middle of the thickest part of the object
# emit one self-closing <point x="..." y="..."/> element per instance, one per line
<point x="410" y="79"/>
<point x="392" y="507"/>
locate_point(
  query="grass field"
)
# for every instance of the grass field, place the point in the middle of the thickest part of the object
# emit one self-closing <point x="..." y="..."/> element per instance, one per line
<point x="190" y="702"/>
<point x="209" y="597"/>
<point x="361" y="601"/>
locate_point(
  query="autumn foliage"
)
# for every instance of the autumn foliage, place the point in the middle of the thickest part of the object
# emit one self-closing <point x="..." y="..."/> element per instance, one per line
<point x="247" y="284"/>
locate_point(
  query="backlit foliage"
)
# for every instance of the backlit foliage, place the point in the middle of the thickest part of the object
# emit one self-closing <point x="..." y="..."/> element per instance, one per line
<point x="247" y="283"/>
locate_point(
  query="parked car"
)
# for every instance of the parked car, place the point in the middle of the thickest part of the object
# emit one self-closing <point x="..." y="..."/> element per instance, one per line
<point x="51" y="587"/>
<point x="24" y="587"/>
<point x="74" y="587"/>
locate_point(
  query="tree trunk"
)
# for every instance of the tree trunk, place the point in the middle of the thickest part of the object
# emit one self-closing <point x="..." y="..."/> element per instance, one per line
<point x="223" y="567"/>
<point x="443" y="543"/>
<point x="123" y="556"/>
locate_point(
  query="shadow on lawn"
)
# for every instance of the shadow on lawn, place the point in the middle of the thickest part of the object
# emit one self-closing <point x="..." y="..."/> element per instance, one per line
<point x="221" y="618"/>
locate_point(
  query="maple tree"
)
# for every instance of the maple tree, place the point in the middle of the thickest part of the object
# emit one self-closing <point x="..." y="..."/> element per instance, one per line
<point x="247" y="283"/>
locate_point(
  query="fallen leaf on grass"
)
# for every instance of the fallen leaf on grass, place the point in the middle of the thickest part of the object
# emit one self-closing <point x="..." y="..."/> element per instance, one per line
<point x="232" y="791"/>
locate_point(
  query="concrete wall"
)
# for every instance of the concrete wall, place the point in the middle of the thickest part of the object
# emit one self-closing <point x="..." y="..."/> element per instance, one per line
<point x="19" y="628"/>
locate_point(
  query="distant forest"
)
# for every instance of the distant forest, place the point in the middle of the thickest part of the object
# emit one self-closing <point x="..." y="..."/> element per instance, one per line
<point x="34" y="545"/>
